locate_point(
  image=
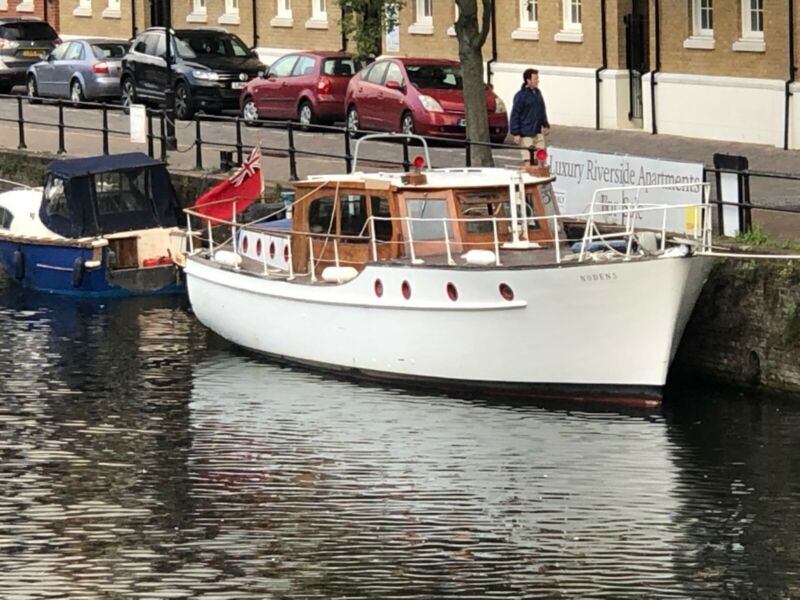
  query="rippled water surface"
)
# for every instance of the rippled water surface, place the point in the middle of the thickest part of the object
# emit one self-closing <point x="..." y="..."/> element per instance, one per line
<point x="142" y="457"/>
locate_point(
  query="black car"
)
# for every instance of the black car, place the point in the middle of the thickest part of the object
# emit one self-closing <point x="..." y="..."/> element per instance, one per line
<point x="210" y="68"/>
<point x="23" y="42"/>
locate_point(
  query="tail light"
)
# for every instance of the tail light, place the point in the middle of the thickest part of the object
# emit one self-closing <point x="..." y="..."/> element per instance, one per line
<point x="4" y="43"/>
<point x="324" y="86"/>
<point x="100" y="68"/>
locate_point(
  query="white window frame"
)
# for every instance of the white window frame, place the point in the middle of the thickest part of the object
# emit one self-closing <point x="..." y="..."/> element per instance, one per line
<point x="283" y="14"/>
<point x="113" y="10"/>
<point x="231" y="14"/>
<point x="702" y="37"/>
<point x="572" y="29"/>
<point x="751" y="40"/>
<point x="24" y="6"/>
<point x="84" y="9"/>
<point x="423" y="10"/>
<point x="451" y="31"/>
<point x="528" y="29"/>
<point x="199" y="12"/>
<point x="319" y="15"/>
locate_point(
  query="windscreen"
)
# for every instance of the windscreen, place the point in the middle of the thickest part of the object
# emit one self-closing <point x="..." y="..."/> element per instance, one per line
<point x="109" y="50"/>
<point x="34" y="31"/>
<point x="210" y="44"/>
<point x="435" y="77"/>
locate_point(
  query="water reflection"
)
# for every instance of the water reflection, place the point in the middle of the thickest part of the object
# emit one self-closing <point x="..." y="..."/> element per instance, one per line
<point x="142" y="457"/>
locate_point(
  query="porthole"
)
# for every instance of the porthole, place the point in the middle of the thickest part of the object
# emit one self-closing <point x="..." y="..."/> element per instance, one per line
<point x="506" y="292"/>
<point x="244" y="244"/>
<point x="272" y="249"/>
<point x="406" y="289"/>
<point x="452" y="292"/>
<point x="258" y="248"/>
<point x="378" y="288"/>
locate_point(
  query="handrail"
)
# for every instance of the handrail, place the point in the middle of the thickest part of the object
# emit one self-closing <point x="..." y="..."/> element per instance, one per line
<point x="391" y="136"/>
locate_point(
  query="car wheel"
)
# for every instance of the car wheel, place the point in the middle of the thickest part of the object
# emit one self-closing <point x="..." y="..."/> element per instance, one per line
<point x="305" y="114"/>
<point x="250" y="112"/>
<point x="33" y="91"/>
<point x="183" y="102"/>
<point x="128" y="92"/>
<point x="407" y="123"/>
<point x="353" y="121"/>
<point x="76" y="93"/>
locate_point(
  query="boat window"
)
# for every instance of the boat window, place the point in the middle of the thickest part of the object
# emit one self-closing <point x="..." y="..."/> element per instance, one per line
<point x="353" y="217"/>
<point x="380" y="208"/>
<point x="121" y="192"/>
<point x="56" y="198"/>
<point x="483" y="205"/>
<point x="5" y="218"/>
<point x="320" y="215"/>
<point x="531" y="207"/>
<point x="428" y="208"/>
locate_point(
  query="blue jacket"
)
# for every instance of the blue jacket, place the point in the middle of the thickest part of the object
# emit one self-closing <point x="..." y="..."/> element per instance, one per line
<point x="528" y="114"/>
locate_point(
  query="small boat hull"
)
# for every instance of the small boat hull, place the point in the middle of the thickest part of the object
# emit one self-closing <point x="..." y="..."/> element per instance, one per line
<point x="601" y="331"/>
<point x="62" y="269"/>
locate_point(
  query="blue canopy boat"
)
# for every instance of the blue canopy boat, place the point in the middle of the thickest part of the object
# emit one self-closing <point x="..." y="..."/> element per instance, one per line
<point x="100" y="226"/>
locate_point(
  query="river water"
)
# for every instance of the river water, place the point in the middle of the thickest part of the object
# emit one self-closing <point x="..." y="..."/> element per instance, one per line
<point x="143" y="457"/>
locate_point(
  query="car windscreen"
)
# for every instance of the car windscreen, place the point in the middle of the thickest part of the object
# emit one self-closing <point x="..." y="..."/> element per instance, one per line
<point x="344" y="67"/>
<point x="210" y="44"/>
<point x="110" y="50"/>
<point x="34" y="31"/>
<point x="435" y="77"/>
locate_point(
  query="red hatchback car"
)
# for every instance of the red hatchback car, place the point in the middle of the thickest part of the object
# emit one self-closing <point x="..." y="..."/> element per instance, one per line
<point x="416" y="95"/>
<point x="307" y="86"/>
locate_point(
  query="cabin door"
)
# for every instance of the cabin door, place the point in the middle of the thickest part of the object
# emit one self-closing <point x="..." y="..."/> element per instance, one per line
<point x="427" y="226"/>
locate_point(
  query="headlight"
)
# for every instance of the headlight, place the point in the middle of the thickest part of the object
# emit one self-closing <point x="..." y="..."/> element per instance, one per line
<point x="205" y="75"/>
<point x="500" y="106"/>
<point x="430" y="104"/>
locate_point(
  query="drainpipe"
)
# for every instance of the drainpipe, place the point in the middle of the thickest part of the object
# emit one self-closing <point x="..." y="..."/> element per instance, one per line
<point x="790" y="81"/>
<point x="655" y="71"/>
<point x="44" y="12"/>
<point x="255" y="24"/>
<point x="342" y="28"/>
<point x="133" y="19"/>
<point x="604" y="52"/>
<point x="492" y="60"/>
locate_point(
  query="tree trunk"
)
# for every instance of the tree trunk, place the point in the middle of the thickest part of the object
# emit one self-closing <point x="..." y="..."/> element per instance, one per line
<point x="470" y="44"/>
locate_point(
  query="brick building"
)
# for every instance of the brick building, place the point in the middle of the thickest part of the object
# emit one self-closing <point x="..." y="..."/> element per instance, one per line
<point x="703" y="68"/>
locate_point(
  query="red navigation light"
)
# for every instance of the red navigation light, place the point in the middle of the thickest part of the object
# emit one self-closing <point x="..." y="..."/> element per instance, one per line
<point x="541" y="155"/>
<point x="419" y="163"/>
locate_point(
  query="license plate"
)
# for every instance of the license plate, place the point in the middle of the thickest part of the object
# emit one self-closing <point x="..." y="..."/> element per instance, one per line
<point x="462" y="123"/>
<point x="36" y="53"/>
<point x="237" y="85"/>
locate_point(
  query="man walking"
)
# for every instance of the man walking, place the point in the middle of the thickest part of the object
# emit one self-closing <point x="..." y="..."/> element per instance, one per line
<point x="529" y="122"/>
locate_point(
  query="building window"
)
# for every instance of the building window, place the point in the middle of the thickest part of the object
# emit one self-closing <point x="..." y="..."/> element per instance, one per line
<point x="84" y="9"/>
<point x="703" y="18"/>
<point x="451" y="31"/>
<point x="319" y="15"/>
<point x="424" y="15"/>
<point x="573" y="22"/>
<point x="752" y="39"/>
<point x="528" y="21"/>
<point x="112" y="11"/>
<point x="199" y="13"/>
<point x="283" y="18"/>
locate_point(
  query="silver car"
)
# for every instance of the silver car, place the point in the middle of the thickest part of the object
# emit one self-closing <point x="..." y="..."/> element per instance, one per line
<point x="79" y="70"/>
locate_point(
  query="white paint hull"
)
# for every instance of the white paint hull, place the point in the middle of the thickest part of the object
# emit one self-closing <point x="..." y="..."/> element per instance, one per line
<point x="597" y="327"/>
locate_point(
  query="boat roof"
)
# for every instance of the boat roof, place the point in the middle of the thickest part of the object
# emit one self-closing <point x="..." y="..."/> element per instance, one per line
<point x="465" y="177"/>
<point x="80" y="167"/>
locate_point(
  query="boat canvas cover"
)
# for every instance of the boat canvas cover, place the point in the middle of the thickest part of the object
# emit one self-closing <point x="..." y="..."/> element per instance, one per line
<point x="99" y="195"/>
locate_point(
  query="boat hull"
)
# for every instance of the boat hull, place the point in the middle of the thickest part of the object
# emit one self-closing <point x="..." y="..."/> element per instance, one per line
<point x="61" y="269"/>
<point x="583" y="330"/>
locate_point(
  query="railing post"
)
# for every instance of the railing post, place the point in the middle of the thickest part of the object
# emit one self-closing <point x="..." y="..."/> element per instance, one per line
<point x="532" y="155"/>
<point x="150" y="150"/>
<point x="292" y="153"/>
<point x="21" y="125"/>
<point x="163" y="135"/>
<point x="198" y="144"/>
<point x="348" y="157"/>
<point x="239" y="146"/>
<point x="468" y="150"/>
<point x="105" y="128"/>
<point x="61" y="145"/>
<point x="406" y="160"/>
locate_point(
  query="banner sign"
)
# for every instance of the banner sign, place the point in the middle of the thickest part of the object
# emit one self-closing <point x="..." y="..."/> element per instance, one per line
<point x="138" y="126"/>
<point x="580" y="173"/>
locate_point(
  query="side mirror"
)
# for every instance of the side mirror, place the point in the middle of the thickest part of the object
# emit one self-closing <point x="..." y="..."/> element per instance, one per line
<point x="395" y="85"/>
<point x="49" y="57"/>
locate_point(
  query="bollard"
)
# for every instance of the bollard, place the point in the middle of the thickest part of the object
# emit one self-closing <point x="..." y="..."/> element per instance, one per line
<point x="406" y="161"/>
<point x="20" y="124"/>
<point x="348" y="156"/>
<point x="239" y="146"/>
<point x="163" y="135"/>
<point x="292" y="153"/>
<point x="198" y="144"/>
<point x="62" y="149"/>
<point x="105" y="128"/>
<point x="468" y="150"/>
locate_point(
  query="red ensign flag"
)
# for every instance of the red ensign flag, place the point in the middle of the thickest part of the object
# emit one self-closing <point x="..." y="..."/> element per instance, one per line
<point x="236" y="193"/>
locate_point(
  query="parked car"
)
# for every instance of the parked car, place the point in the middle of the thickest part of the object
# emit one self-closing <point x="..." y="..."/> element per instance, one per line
<point x="22" y="43"/>
<point x="210" y="68"/>
<point x="416" y="95"/>
<point x="79" y="70"/>
<point x="307" y="86"/>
